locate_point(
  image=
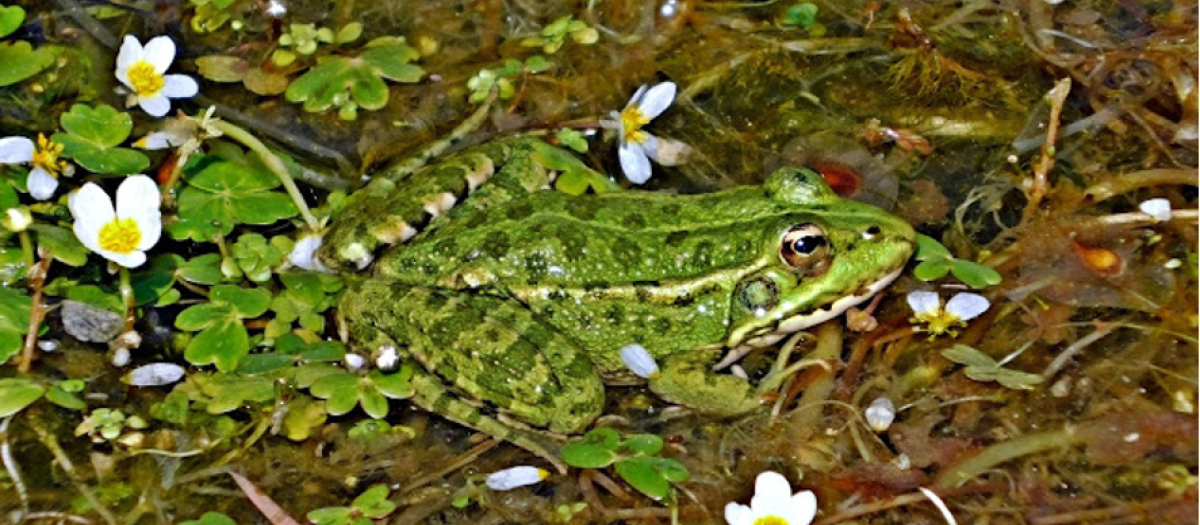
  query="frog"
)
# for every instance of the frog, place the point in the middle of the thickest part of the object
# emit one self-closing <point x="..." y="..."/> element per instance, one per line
<point x="514" y="301"/>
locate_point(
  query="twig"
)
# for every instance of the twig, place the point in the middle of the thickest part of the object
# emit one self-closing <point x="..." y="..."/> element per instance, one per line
<point x="959" y="473"/>
<point x="459" y="462"/>
<point x="37" y="278"/>
<point x="64" y="462"/>
<point x="1061" y="359"/>
<point x="273" y="163"/>
<point x="1039" y="186"/>
<point x="56" y="516"/>
<point x="11" y="466"/>
<point x="282" y="135"/>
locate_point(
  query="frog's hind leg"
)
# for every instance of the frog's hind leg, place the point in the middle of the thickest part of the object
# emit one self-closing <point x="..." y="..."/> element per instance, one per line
<point x="688" y="379"/>
<point x="386" y="212"/>
<point x="432" y="395"/>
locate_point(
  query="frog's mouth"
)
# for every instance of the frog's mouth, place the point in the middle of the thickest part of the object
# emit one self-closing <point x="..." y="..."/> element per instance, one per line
<point x="795" y="323"/>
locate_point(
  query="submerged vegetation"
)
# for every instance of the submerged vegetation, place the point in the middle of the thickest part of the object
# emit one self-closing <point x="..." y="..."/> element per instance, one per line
<point x="170" y="346"/>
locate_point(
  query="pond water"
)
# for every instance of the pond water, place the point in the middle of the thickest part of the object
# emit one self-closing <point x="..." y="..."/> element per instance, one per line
<point x="1035" y="362"/>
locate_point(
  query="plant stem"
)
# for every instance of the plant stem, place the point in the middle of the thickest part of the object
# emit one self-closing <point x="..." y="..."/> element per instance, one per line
<point x="37" y="278"/>
<point x="64" y="462"/>
<point x="26" y="249"/>
<point x="126" y="290"/>
<point x="272" y="163"/>
<point x="11" y="466"/>
<point x="959" y="473"/>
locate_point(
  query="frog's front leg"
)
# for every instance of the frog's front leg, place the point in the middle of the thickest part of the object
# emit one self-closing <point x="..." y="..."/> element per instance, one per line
<point x="688" y="379"/>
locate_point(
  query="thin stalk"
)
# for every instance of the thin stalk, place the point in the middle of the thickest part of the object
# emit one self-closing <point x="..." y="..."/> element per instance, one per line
<point x="64" y="462"/>
<point x="26" y="249"/>
<point x="37" y="278"/>
<point x="272" y="163"/>
<point x="961" y="472"/>
<point x="126" y="290"/>
<point x="11" y="466"/>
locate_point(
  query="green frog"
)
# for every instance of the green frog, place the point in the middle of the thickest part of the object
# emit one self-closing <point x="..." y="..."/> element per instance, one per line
<point x="514" y="301"/>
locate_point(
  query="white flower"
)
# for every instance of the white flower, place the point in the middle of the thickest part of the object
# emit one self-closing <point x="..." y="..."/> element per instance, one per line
<point x="639" y="361"/>
<point x="353" y="362"/>
<point x="773" y="504"/>
<point x="42" y="179"/>
<point x="637" y="147"/>
<point x="122" y="235"/>
<point x="142" y="70"/>
<point x="1159" y="209"/>
<point x="927" y="308"/>
<point x="880" y="414"/>
<point x="304" y="251"/>
<point x="513" y="477"/>
<point x="387" y="358"/>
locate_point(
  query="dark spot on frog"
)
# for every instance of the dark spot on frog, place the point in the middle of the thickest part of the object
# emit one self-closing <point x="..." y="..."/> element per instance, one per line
<point x="625" y="252"/>
<point x="583" y="208"/>
<point x="518" y="211"/>
<point x="635" y="221"/>
<point x="676" y="238"/>
<point x="615" y="314"/>
<point x="495" y="245"/>
<point x="670" y="209"/>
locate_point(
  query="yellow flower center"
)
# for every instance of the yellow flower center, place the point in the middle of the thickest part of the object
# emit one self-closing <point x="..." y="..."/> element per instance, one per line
<point x="120" y="235"/>
<point x="632" y="120"/>
<point x="940" y="322"/>
<point x="145" y="80"/>
<point x="46" y="156"/>
<point x="770" y="520"/>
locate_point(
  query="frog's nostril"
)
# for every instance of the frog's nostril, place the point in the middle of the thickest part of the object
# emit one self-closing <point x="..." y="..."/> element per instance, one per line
<point x="871" y="232"/>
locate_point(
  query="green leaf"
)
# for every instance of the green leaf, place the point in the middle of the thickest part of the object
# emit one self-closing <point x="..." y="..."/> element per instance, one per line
<point x="966" y="355"/>
<point x="928" y="247"/>
<point x="224" y="189"/>
<point x="641" y="473"/>
<point x="249" y="302"/>
<point x="204" y="269"/>
<point x="21" y="61"/>
<point x="340" y="392"/>
<point x="57" y="395"/>
<point x="395" y="386"/>
<point x="172" y="409"/>
<point x="974" y="274"/>
<point x="92" y="136"/>
<point x="331" y="516"/>
<point x="230" y="392"/>
<point x="15" y="309"/>
<point x="155" y="279"/>
<point x="373" y="503"/>
<point x="981" y="367"/>
<point x="339" y="81"/>
<point x="803" y="14"/>
<point x="932" y="269"/>
<point x="304" y="414"/>
<point x="12" y="265"/>
<point x="11" y="18"/>
<point x="645" y="444"/>
<point x="18" y="393"/>
<point x="62" y="243"/>
<point x="582" y="454"/>
<point x="222" y="344"/>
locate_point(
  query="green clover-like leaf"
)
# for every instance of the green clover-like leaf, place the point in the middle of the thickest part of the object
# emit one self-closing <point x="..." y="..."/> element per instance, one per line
<point x="11" y="18"/>
<point x="223" y="340"/>
<point x="62" y="244"/>
<point x="211" y="518"/>
<point x="932" y="269"/>
<point x="16" y="393"/>
<point x="92" y="136"/>
<point x="928" y="247"/>
<point x="15" y="308"/>
<point x="204" y="269"/>
<point x="358" y="82"/>
<point x="596" y="450"/>
<point x="974" y="274"/>
<point x="22" y="61"/>
<point x="645" y="444"/>
<point x="155" y="279"/>
<point x="331" y="516"/>
<point x="651" y="475"/>
<point x="343" y="391"/>
<point x="224" y="189"/>
<point x="227" y="392"/>
<point x="373" y="503"/>
<point x="62" y="394"/>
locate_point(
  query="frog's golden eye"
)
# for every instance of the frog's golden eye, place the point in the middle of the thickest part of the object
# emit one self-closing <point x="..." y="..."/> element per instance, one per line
<point x="805" y="248"/>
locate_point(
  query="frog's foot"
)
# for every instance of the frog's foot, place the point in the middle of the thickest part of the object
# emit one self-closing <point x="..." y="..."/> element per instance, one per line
<point x="433" y="396"/>
<point x="688" y="380"/>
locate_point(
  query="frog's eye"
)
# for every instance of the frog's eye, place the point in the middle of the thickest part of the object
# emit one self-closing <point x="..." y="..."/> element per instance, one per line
<point x="805" y="248"/>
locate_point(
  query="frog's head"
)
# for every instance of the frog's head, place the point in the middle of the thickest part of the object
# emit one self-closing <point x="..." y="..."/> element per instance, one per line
<point x="820" y="256"/>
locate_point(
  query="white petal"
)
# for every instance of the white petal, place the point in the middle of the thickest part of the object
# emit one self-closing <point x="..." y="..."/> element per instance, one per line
<point x="923" y="302"/>
<point x="138" y="199"/>
<point x="804" y="508"/>
<point x="131" y="52"/>
<point x="92" y="209"/>
<point x="636" y="99"/>
<point x="771" y="493"/>
<point x="639" y="361"/>
<point x="967" y="306"/>
<point x="41" y="185"/>
<point x="738" y="514"/>
<point x="155" y="106"/>
<point x="159" y="52"/>
<point x="634" y="163"/>
<point x="120" y="357"/>
<point x="179" y="86"/>
<point x="154" y="374"/>
<point x="303" y="253"/>
<point x="880" y="414"/>
<point x="155" y="140"/>
<point x="129" y="260"/>
<point x="1160" y="209"/>
<point x="511" y="478"/>
<point x="658" y="99"/>
<point x="650" y="146"/>
<point x="354" y="361"/>
<point x="16" y="150"/>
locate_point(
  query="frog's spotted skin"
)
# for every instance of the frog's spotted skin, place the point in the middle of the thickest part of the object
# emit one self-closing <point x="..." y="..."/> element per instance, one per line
<point x="521" y="299"/>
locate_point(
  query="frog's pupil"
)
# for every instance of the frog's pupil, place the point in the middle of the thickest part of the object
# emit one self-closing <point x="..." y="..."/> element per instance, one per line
<point x="807" y="244"/>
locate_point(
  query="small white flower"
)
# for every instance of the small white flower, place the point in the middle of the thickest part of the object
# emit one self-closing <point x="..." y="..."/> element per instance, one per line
<point x="637" y="147"/>
<point x="17" y="219"/>
<point x="354" y="361"/>
<point x="927" y="308"/>
<point x="639" y="361"/>
<point x="880" y="414"/>
<point x="122" y="235"/>
<point x="276" y="9"/>
<point x="387" y="358"/>
<point x="513" y="477"/>
<point x="303" y="254"/>
<point x="43" y="157"/>
<point x="142" y="70"/>
<point x="773" y="504"/>
<point x="1160" y="209"/>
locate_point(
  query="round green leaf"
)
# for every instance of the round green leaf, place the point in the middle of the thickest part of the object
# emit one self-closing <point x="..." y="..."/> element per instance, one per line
<point x="646" y="444"/>
<point x="18" y="393"/>
<point x="222" y="344"/>
<point x="641" y="474"/>
<point x="21" y="61"/>
<point x="11" y="18"/>
<point x="583" y="454"/>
